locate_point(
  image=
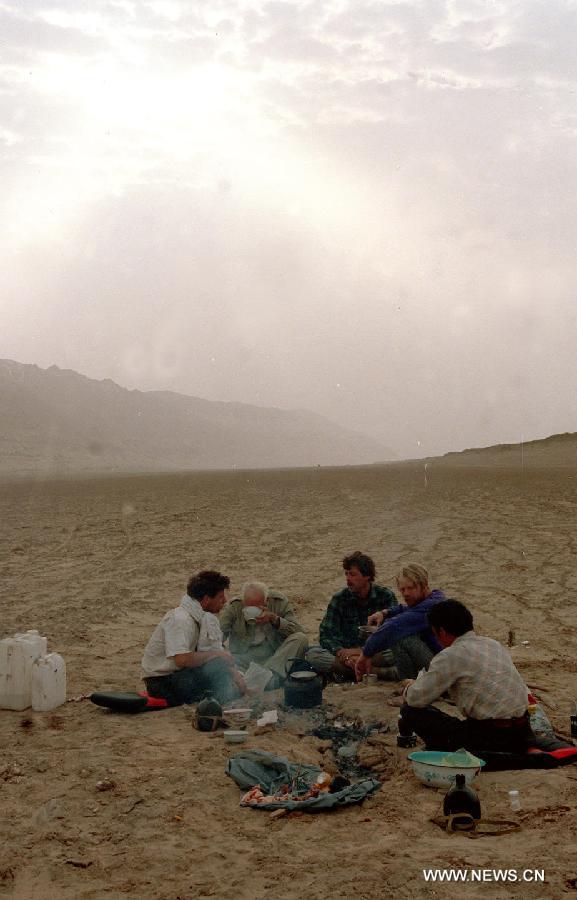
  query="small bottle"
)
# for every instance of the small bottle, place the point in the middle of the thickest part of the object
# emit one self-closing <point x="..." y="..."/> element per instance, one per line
<point x="540" y="724"/>
<point x="514" y="801"/>
<point x="405" y="740"/>
<point x="460" y="798"/>
<point x="574" y="721"/>
<point x="324" y="781"/>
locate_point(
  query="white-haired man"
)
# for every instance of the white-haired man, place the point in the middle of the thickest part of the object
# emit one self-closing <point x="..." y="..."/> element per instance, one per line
<point x="272" y="639"/>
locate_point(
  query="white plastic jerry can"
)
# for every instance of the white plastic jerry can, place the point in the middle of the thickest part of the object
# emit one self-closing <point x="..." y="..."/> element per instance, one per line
<point x="36" y="640"/>
<point x="48" y="682"/>
<point x="16" y="658"/>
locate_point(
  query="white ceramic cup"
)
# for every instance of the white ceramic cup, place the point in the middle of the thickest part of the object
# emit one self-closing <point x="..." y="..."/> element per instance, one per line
<point x="251" y="614"/>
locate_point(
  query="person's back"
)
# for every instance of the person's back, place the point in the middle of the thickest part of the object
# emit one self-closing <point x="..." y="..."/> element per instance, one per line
<point x="487" y="684"/>
<point x="480" y="678"/>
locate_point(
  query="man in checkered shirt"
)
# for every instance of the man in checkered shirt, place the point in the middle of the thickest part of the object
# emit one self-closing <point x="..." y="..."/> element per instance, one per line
<point x="340" y="644"/>
<point x="480" y="678"/>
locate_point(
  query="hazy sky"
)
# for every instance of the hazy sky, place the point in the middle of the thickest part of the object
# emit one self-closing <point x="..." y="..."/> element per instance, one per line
<point x="366" y="209"/>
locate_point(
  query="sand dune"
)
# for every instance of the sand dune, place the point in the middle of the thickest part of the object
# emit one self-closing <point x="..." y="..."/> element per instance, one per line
<point x="93" y="564"/>
<point x="558" y="450"/>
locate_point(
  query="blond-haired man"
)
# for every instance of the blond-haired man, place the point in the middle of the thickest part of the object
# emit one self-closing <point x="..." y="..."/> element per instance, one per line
<point x="405" y="629"/>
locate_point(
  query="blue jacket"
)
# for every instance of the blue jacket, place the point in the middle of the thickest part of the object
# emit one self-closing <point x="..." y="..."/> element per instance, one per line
<point x="403" y="621"/>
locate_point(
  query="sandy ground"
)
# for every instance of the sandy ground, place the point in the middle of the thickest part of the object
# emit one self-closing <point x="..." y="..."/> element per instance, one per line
<point x="94" y="564"/>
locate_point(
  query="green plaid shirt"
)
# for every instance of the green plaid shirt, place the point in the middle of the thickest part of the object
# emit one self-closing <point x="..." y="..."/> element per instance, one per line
<point x="340" y="625"/>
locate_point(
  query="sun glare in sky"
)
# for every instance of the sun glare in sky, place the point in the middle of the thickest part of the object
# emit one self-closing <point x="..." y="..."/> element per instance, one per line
<point x="114" y="124"/>
<point x="375" y="195"/>
<point x="123" y="124"/>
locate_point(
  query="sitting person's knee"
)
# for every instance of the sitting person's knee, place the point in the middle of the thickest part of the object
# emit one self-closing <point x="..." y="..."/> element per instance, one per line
<point x="320" y="659"/>
<point x="299" y="641"/>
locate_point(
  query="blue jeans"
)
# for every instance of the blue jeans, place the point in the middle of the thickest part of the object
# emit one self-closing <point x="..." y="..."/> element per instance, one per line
<point x="411" y="654"/>
<point x="191" y="685"/>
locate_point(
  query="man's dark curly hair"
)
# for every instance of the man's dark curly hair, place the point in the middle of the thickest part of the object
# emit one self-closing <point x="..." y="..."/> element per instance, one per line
<point x="207" y="583"/>
<point x="362" y="562"/>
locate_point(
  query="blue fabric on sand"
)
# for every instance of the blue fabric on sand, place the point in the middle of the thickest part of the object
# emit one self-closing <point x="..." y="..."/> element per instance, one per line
<point x="251" y="767"/>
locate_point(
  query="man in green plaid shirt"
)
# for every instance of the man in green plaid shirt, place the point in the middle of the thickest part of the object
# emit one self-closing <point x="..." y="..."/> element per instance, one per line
<point x="348" y="610"/>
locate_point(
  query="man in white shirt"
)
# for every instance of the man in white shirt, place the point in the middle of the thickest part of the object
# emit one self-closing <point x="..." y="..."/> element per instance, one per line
<point x="184" y="659"/>
<point x="480" y="678"/>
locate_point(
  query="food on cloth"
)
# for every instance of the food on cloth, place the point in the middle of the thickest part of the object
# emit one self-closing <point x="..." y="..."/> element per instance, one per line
<point x="255" y="796"/>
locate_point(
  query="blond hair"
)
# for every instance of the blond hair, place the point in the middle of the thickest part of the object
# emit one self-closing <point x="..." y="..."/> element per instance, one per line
<point x="415" y="573"/>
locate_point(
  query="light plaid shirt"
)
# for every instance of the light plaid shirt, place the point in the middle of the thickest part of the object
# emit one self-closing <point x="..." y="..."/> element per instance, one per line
<point x="478" y="674"/>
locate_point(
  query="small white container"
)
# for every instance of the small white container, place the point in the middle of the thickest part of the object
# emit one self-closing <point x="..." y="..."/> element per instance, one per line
<point x="515" y="801"/>
<point x="48" y="682"/>
<point x="17" y="655"/>
<point x="235" y="737"/>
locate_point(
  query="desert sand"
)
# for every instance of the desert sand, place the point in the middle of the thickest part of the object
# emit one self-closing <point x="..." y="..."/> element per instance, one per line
<point x="93" y="564"/>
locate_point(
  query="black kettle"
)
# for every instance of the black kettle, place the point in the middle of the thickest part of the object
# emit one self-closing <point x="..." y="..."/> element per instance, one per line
<point x="303" y="688"/>
<point x="462" y="805"/>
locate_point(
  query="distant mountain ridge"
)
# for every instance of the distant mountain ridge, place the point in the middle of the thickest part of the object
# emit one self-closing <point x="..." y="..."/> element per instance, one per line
<point x="557" y="450"/>
<point x="57" y="421"/>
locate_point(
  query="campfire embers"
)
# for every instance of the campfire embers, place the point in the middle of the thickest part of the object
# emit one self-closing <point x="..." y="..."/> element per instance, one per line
<point x="357" y="749"/>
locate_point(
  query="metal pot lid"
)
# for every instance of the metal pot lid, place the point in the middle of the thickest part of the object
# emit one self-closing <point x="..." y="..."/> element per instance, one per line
<point x="303" y="675"/>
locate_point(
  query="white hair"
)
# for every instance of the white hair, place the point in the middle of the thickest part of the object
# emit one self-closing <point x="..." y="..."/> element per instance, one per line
<point x="254" y="587"/>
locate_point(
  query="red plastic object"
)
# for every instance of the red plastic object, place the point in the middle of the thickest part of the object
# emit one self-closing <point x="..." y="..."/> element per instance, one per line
<point x="154" y="702"/>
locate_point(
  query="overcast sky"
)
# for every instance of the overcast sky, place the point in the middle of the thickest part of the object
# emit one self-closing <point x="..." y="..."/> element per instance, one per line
<point x="366" y="209"/>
